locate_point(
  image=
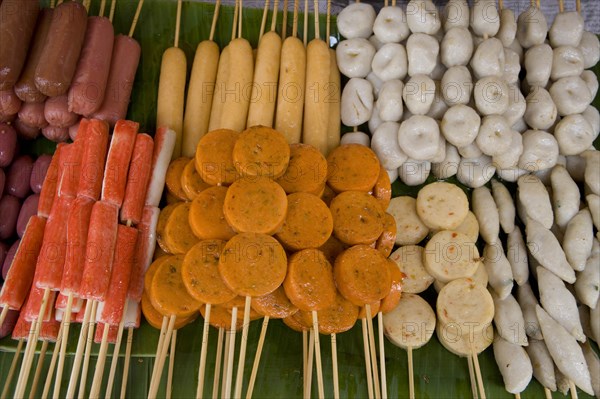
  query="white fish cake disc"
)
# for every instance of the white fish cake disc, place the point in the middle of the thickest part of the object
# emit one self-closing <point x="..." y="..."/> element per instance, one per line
<point x="410" y="262"/>
<point x="409" y="228"/>
<point x="465" y="304"/>
<point x="442" y="206"/>
<point x="480" y="277"/>
<point x="411" y="323"/>
<point x="461" y="345"/>
<point x="450" y="255"/>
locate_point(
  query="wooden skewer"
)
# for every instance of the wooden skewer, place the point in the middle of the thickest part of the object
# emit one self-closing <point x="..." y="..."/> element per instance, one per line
<point x="304" y="358"/>
<point x="171" y="365"/>
<point x="225" y="361"/>
<point x="369" y="374"/>
<point x="374" y="367"/>
<point x="334" y="364"/>
<point x="99" y="371"/>
<point x="548" y="393"/>
<point x="115" y="357"/>
<point x="240" y="19"/>
<point x="88" y="350"/>
<point x="561" y="5"/>
<point x="309" y="364"/>
<point x="261" y="342"/>
<point x="472" y="377"/>
<point x="317" y="25"/>
<point x="13" y="368"/>
<point x="573" y="389"/>
<point x="411" y="374"/>
<point x="274" y="16"/>
<point x="177" y="24"/>
<point x="235" y="18"/>
<point x="85" y="326"/>
<point x="34" y="333"/>
<point x="500" y="4"/>
<point x="328" y="24"/>
<point x="318" y="355"/>
<point x="155" y="382"/>
<point x="385" y="3"/>
<point x="578" y="6"/>
<point x="52" y="365"/>
<point x="382" y="356"/>
<point x="230" y="353"/>
<point x="65" y="325"/>
<point x="218" y="356"/>
<point x="478" y="373"/>
<point x="102" y="7"/>
<point x="3" y="315"/>
<point x="394" y="3"/>
<point x="213" y="26"/>
<point x="295" y="20"/>
<point x="284" y="22"/>
<point x="126" y="365"/>
<point x="239" y="381"/>
<point x="305" y="22"/>
<point x="517" y="396"/>
<point x="38" y="369"/>
<point x="87" y="4"/>
<point x="203" y="351"/>
<point x="161" y="340"/>
<point x="263" y="22"/>
<point x="137" y="16"/>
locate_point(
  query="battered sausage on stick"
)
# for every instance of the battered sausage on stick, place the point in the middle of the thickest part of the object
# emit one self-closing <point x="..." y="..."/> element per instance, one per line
<point x="317" y="98"/>
<point x="266" y="73"/>
<point x="17" y="23"/>
<point x="335" y="87"/>
<point x="25" y="87"/>
<point x="292" y="76"/>
<point x="54" y="74"/>
<point x="201" y="90"/>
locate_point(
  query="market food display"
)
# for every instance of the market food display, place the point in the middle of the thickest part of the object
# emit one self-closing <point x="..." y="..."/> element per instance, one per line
<point x="467" y="177"/>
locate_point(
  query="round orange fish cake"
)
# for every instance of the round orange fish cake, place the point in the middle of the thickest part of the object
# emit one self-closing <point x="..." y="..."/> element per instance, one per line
<point x="255" y="205"/>
<point x="253" y="264"/>
<point x="276" y="305"/>
<point x="308" y="223"/>
<point x="207" y="219"/>
<point x="383" y="188"/>
<point x="178" y="235"/>
<point x="173" y="178"/>
<point x="214" y="157"/>
<point x="191" y="182"/>
<point x="352" y="167"/>
<point x="155" y="318"/>
<point x="306" y="171"/>
<point x="261" y="151"/>
<point x="357" y="218"/>
<point x="387" y="239"/>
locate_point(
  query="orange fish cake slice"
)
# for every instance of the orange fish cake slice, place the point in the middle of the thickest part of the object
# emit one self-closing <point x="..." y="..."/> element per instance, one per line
<point x="255" y="205"/>
<point x="362" y="275"/>
<point x="308" y="223"/>
<point x="155" y="318"/>
<point x="200" y="272"/>
<point x="296" y="322"/>
<point x="169" y="295"/>
<point x="220" y="317"/>
<point x="191" y="182"/>
<point x="276" y="305"/>
<point x="387" y="239"/>
<point x="207" y="219"/>
<point x="214" y="157"/>
<point x="161" y="224"/>
<point x="332" y="248"/>
<point x="306" y="171"/>
<point x="392" y="299"/>
<point x="253" y="264"/>
<point x="338" y="318"/>
<point x="261" y="151"/>
<point x="383" y="188"/>
<point x="352" y="167"/>
<point x="309" y="282"/>
<point x="173" y="178"/>
<point x="178" y="235"/>
<point x="357" y="218"/>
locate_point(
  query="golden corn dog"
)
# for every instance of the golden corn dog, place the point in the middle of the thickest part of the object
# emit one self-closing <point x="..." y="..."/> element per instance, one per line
<point x="318" y="96"/>
<point x="216" y="111"/>
<point x="333" y="130"/>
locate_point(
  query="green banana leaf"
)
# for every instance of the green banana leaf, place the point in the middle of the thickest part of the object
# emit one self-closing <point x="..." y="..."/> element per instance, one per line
<point x="437" y="372"/>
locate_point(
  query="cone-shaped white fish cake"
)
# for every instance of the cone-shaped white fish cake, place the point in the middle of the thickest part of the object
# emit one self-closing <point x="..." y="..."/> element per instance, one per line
<point x="498" y="269"/>
<point x="409" y="227"/>
<point x="508" y="27"/>
<point x="587" y="286"/>
<point x="513" y="363"/>
<point x="591" y="80"/>
<point x="457" y="85"/>
<point x="528" y="302"/>
<point x="510" y="157"/>
<point x="505" y="204"/>
<point x="356" y="20"/>
<point x="593" y="363"/>
<point x="495" y="136"/>
<point x="567" y="29"/>
<point x="465" y="304"/>
<point x="414" y="172"/>
<point x="543" y="366"/>
<point x="565" y="351"/>
<point x="390" y="25"/>
<point x="532" y="27"/>
<point x="535" y="200"/>
<point x="442" y="206"/>
<point x="546" y="249"/>
<point x="475" y="172"/>
<point x="484" y="208"/>
<point x="595" y="323"/>
<point x="491" y="98"/>
<point x="512" y="67"/>
<point x="354" y="57"/>
<point x="460" y="125"/>
<point x="592" y="170"/>
<point x="593" y="202"/>
<point x="508" y="319"/>
<point x="578" y="239"/>
<point x="461" y="341"/>
<point x="565" y="196"/>
<point x="411" y="323"/>
<point x="540" y="151"/>
<point x="516" y="106"/>
<point x="423" y="17"/>
<point x="450" y="255"/>
<point x="558" y="301"/>
<point x="516" y="253"/>
<point x="470" y="151"/>
<point x="409" y="259"/>
<point x="538" y="64"/>
<point x="418" y="95"/>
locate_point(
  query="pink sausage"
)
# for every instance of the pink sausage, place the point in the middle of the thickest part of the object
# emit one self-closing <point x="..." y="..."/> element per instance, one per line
<point x="28" y="209"/>
<point x="9" y="211"/>
<point x="25" y="131"/>
<point x="123" y="65"/>
<point x="9" y="104"/>
<point x="2" y="181"/>
<point x="56" y="112"/>
<point x="89" y="84"/>
<point x="8" y="144"/>
<point x="38" y="173"/>
<point x="33" y="115"/>
<point x="17" y="178"/>
<point x="3" y="252"/>
<point x="56" y="134"/>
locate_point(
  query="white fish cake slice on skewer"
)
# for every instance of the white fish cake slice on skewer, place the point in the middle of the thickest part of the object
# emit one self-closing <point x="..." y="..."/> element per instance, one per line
<point x="442" y="206"/>
<point x="454" y="339"/>
<point x="409" y="259"/>
<point x="480" y="277"/>
<point x="411" y="323"/>
<point x="409" y="227"/>
<point x="450" y="255"/>
<point x="466" y="304"/>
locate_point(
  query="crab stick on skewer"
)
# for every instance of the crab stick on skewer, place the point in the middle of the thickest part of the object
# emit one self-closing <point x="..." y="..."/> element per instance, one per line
<point x="48" y="191"/>
<point x="93" y="159"/>
<point x="164" y="143"/>
<point x="117" y="162"/>
<point x="137" y="181"/>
